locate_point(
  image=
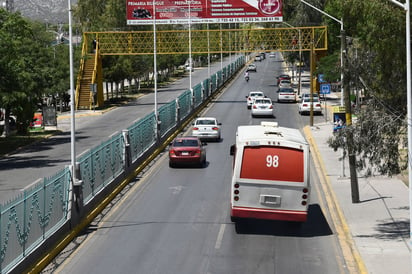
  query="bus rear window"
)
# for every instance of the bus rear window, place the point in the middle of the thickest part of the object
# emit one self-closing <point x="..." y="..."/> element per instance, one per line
<point x="272" y="163"/>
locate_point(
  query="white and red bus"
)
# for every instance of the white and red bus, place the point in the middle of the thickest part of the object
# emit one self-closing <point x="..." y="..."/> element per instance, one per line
<point x="270" y="173"/>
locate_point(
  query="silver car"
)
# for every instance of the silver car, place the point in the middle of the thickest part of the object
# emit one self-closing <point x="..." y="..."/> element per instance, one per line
<point x="304" y="106"/>
<point x="262" y="107"/>
<point x="207" y="128"/>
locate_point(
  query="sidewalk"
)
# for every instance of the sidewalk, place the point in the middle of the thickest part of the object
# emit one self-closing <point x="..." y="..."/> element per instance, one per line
<point x="377" y="228"/>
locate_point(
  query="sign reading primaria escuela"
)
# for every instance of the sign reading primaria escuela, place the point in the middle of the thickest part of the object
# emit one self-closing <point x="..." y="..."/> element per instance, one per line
<point x="203" y="11"/>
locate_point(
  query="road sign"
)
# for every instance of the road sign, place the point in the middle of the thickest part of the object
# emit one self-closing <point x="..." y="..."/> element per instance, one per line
<point x="325" y="89"/>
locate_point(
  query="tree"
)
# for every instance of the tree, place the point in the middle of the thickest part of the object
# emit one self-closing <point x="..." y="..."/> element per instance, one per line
<point x="379" y="131"/>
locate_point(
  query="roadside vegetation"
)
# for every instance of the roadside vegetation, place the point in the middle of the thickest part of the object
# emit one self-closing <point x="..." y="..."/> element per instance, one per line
<point x="31" y="67"/>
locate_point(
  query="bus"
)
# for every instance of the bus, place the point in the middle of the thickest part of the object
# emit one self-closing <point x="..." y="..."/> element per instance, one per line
<point x="270" y="177"/>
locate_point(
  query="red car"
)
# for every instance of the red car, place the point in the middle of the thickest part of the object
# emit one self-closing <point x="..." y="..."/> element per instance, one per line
<point x="283" y="77"/>
<point x="187" y="150"/>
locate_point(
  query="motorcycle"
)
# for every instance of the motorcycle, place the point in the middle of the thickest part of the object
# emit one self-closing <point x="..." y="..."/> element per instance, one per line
<point x="247" y="78"/>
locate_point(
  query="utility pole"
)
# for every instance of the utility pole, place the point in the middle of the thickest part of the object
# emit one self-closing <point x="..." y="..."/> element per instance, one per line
<point x="349" y="134"/>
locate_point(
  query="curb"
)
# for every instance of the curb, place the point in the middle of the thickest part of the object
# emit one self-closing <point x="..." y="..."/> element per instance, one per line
<point x="354" y="261"/>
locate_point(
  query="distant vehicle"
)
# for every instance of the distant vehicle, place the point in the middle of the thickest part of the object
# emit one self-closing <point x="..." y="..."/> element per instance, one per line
<point x="262" y="107"/>
<point x="304" y="106"/>
<point x="307" y="95"/>
<point x="258" y="58"/>
<point x="263" y="55"/>
<point x="187" y="151"/>
<point x="189" y="68"/>
<point x="251" y="67"/>
<point x="252" y="95"/>
<point x="286" y="95"/>
<point x="207" y="128"/>
<point x="282" y="77"/>
<point x="272" y="54"/>
<point x="285" y="83"/>
<point x="270" y="177"/>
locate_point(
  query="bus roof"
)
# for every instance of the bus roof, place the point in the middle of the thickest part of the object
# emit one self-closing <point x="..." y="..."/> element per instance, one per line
<point x="269" y="130"/>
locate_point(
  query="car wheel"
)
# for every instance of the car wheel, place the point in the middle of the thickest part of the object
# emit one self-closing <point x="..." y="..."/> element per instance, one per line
<point x="171" y="164"/>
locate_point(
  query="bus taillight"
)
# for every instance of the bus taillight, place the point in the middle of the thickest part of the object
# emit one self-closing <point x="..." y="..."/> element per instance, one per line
<point x="236" y="191"/>
<point x="305" y="190"/>
<point x="236" y="185"/>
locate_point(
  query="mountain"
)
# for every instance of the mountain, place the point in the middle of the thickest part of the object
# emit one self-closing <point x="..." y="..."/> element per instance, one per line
<point x="48" y="11"/>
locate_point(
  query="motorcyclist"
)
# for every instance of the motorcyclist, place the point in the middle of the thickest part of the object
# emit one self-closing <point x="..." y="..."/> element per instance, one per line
<point x="246" y="76"/>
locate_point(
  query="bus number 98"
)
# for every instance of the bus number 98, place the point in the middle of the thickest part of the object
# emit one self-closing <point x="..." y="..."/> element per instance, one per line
<point x="272" y="161"/>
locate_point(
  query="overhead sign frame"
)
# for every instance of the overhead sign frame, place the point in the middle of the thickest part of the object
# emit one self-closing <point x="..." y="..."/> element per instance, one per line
<point x="203" y="11"/>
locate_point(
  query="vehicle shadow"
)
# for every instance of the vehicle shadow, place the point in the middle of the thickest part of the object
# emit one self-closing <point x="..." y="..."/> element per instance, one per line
<point x="315" y="226"/>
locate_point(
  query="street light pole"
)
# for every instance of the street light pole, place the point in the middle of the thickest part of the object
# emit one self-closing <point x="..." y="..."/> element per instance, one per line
<point x="342" y="49"/>
<point x="345" y="95"/>
<point x="72" y="99"/>
<point x="406" y="7"/>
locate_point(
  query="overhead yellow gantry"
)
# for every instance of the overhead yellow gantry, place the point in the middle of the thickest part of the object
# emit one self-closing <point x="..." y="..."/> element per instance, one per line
<point x="177" y="42"/>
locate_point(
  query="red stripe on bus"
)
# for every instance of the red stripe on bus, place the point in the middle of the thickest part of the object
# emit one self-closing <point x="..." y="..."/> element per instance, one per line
<point x="269" y="214"/>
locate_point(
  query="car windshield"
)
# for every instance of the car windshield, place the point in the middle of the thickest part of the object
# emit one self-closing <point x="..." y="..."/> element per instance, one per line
<point x="307" y="100"/>
<point x="262" y="101"/>
<point x="256" y="94"/>
<point x="286" y="90"/>
<point x="205" y="122"/>
<point x="186" y="143"/>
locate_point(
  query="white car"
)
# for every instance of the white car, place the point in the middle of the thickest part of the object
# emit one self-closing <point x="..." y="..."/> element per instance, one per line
<point x="252" y="95"/>
<point x="262" y="107"/>
<point x="272" y="54"/>
<point x="207" y="128"/>
<point x="286" y="95"/>
<point x="304" y="106"/>
<point x="307" y="95"/>
<point x="285" y="83"/>
<point x="258" y="58"/>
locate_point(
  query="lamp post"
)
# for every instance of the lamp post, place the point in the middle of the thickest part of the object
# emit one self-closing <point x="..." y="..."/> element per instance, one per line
<point x="406" y="7"/>
<point x="345" y="95"/>
<point x="72" y="100"/>
<point x="342" y="49"/>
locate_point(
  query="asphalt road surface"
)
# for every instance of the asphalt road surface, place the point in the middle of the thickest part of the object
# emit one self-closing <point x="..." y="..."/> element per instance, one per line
<point x="176" y="220"/>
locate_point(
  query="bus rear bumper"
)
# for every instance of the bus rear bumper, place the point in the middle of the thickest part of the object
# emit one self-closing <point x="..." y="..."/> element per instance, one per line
<point x="272" y="214"/>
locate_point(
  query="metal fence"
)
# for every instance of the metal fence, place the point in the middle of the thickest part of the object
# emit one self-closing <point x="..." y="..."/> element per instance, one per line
<point x="29" y="219"/>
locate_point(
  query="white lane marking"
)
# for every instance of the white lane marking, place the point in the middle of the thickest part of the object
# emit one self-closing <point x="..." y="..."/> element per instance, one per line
<point x="220" y="236"/>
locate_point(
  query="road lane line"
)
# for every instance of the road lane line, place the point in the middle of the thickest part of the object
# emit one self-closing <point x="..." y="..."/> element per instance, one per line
<point x="220" y="236"/>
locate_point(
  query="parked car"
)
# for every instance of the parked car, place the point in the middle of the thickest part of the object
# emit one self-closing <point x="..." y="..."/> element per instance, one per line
<point x="282" y="77"/>
<point x="262" y="107"/>
<point x="251" y="67"/>
<point x="253" y="94"/>
<point x="207" y="128"/>
<point x="286" y="95"/>
<point x="304" y="106"/>
<point x="187" y="150"/>
<point x="258" y="58"/>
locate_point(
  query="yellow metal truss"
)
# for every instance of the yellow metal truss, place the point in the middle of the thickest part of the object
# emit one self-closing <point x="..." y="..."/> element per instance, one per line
<point x="177" y="42"/>
<point x="209" y="41"/>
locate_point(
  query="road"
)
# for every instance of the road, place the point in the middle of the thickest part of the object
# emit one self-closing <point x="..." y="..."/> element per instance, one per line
<point x="20" y="170"/>
<point x="176" y="220"/>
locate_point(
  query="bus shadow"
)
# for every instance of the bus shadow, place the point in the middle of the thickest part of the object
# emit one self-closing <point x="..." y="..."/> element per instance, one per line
<point x="315" y="226"/>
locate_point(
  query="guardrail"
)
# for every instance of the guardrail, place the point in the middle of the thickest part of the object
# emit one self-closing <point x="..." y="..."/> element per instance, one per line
<point x="33" y="222"/>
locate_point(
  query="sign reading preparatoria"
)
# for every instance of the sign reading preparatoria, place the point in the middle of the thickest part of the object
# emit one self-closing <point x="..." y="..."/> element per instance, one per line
<point x="203" y="11"/>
